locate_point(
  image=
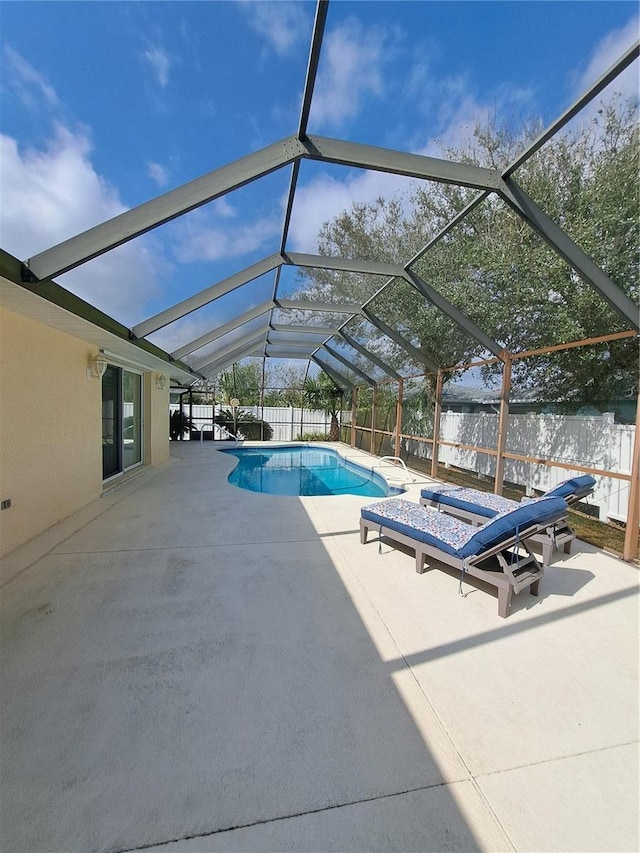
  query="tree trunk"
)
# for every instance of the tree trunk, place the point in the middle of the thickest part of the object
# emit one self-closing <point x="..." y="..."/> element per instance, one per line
<point x="334" y="432"/>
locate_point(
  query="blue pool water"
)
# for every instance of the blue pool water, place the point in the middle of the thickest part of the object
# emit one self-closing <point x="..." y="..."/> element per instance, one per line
<point x="304" y="470"/>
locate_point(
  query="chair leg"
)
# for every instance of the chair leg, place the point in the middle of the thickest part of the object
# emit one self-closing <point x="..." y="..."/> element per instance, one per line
<point x="504" y="600"/>
<point x="534" y="588"/>
<point x="363" y="534"/>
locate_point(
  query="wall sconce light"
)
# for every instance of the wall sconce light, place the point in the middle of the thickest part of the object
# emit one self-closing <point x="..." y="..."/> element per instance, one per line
<point x="97" y="366"/>
<point x="161" y="382"/>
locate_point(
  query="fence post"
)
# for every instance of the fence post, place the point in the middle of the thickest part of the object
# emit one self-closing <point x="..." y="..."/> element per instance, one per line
<point x="503" y="423"/>
<point x="373" y="419"/>
<point x="437" y="411"/>
<point x="633" y="511"/>
<point x="399" y="416"/>
<point x="354" y="414"/>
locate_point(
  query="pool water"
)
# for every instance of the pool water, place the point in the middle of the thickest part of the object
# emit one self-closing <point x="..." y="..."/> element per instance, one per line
<point x="304" y="470"/>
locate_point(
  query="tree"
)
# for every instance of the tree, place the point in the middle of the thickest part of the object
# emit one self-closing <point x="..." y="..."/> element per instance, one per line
<point x="242" y="382"/>
<point x="497" y="271"/>
<point x="283" y="385"/>
<point x="321" y="392"/>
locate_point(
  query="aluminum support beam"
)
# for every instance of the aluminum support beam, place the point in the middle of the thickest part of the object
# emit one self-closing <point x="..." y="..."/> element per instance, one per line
<point x="593" y="91"/>
<point x="246" y="342"/>
<point x="369" y="355"/>
<point x="220" y="331"/>
<point x="286" y="353"/>
<point x="466" y="210"/>
<point x="204" y="297"/>
<point x="328" y="262"/>
<point x="451" y="311"/>
<point x="349" y="364"/>
<point x="416" y="354"/>
<point x="312" y="66"/>
<point x="341" y="381"/>
<point x="304" y="330"/>
<point x="554" y="236"/>
<point x="132" y="223"/>
<point x="361" y="156"/>
<point x="308" y="305"/>
<point x="224" y="363"/>
<point x="295" y="344"/>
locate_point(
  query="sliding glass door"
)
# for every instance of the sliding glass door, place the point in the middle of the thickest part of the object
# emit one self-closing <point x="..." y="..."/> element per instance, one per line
<point x="131" y="419"/>
<point x="121" y="420"/>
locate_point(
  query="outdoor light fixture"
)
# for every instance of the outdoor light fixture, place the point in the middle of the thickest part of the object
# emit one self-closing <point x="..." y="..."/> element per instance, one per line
<point x="97" y="366"/>
<point x="161" y="382"/>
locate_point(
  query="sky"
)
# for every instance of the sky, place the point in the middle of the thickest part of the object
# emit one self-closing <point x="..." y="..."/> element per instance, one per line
<point x="105" y="105"/>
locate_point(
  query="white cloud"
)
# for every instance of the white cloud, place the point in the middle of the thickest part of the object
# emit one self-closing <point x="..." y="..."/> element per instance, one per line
<point x="25" y="80"/>
<point x="326" y="197"/>
<point x="158" y="173"/>
<point x="282" y="24"/>
<point x="608" y="51"/>
<point x="52" y="194"/>
<point x="350" y="69"/>
<point x="160" y="63"/>
<point x="197" y="238"/>
<point x="223" y="208"/>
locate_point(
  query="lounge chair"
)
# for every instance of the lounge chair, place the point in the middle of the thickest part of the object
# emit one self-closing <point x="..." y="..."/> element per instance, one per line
<point x="476" y="506"/>
<point x="496" y="552"/>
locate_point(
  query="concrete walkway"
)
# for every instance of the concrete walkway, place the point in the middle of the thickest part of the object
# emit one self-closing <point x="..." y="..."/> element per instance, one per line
<point x="190" y="667"/>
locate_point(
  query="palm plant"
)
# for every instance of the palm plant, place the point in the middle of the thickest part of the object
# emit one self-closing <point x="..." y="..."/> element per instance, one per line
<point x="321" y="392"/>
<point x="179" y="424"/>
<point x="248" y="424"/>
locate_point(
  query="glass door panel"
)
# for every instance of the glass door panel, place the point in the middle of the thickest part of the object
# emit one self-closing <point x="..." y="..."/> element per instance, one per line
<point x="111" y="422"/>
<point x="131" y="418"/>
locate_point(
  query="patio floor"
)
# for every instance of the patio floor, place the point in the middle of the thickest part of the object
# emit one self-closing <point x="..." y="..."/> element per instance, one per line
<point x="190" y="667"/>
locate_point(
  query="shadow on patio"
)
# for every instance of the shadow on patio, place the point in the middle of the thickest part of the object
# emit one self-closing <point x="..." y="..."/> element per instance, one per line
<point x="232" y="671"/>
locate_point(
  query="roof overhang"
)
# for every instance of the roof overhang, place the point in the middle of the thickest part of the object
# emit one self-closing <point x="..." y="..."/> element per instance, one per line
<point x="61" y="310"/>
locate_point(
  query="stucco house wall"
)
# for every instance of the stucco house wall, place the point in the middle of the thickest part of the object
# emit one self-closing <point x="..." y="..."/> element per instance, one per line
<point x="51" y="426"/>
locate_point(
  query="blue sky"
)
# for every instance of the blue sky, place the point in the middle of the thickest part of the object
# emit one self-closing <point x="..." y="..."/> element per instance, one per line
<point x="105" y="105"/>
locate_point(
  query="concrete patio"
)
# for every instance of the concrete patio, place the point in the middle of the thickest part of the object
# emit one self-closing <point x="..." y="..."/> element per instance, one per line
<point x="190" y="667"/>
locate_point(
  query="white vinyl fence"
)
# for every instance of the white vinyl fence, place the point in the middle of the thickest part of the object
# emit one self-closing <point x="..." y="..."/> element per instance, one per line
<point x="287" y="423"/>
<point x="594" y="442"/>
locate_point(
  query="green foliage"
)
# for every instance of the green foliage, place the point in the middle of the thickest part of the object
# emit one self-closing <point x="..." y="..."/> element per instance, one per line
<point x="243" y="383"/>
<point x="497" y="271"/>
<point x="313" y="436"/>
<point x="321" y="392"/>
<point x="179" y="425"/>
<point x="283" y="385"/>
<point x="253" y="428"/>
<point x="417" y="413"/>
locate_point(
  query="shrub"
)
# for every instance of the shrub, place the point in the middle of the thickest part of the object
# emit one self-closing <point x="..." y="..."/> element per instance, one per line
<point x="179" y="424"/>
<point x="251" y="427"/>
<point x="313" y="436"/>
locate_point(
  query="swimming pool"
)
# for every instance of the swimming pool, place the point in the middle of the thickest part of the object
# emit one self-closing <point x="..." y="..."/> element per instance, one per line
<point x="301" y="469"/>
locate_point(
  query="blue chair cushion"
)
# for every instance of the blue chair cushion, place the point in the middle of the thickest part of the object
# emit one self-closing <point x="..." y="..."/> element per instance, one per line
<point x="472" y="500"/>
<point x="544" y="511"/>
<point x="454" y="536"/>
<point x="577" y="487"/>
<point x="418" y="522"/>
